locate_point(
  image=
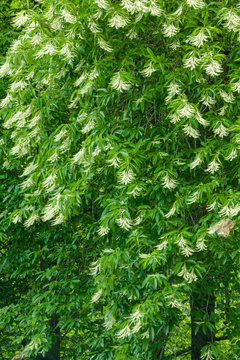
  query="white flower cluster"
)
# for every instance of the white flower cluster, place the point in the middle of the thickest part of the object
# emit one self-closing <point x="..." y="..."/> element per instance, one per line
<point x="185" y="249"/>
<point x="196" y="162"/>
<point x="199" y="39"/>
<point x="196" y="4"/>
<point x="126" y="176"/>
<point x="190" y="131"/>
<point x="168" y="182"/>
<point x="191" y="61"/>
<point x="231" y="20"/>
<point x="118" y="21"/>
<point x="119" y="82"/>
<point x="96" y="296"/>
<point x="21" y="19"/>
<point x="142" y="6"/>
<point x="148" y="70"/>
<point x="188" y="276"/>
<point x="104" y="45"/>
<point x="133" y="324"/>
<point x="170" y="30"/>
<point x="124" y="222"/>
<point x="213" y="166"/>
<point x="173" y="89"/>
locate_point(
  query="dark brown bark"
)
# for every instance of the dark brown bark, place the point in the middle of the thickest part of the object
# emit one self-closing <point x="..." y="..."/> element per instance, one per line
<point x="202" y="307"/>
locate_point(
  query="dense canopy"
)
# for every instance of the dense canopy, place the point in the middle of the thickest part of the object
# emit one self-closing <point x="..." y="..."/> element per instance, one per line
<point x="120" y="141"/>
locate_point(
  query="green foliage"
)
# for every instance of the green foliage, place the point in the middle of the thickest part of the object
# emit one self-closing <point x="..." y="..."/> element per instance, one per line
<point x="119" y="148"/>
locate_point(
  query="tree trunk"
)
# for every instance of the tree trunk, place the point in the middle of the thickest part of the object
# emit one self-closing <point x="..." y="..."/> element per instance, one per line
<point x="202" y="309"/>
<point x="54" y="352"/>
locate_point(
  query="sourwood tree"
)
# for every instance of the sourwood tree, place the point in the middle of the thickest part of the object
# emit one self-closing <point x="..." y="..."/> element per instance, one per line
<point x="122" y="117"/>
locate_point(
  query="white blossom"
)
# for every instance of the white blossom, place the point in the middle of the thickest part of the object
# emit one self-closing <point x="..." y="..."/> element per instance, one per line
<point x="173" y="89"/>
<point x="126" y="176"/>
<point x="221" y="131"/>
<point x="191" y="62"/>
<point x="208" y="355"/>
<point x="212" y="206"/>
<point x="119" y="83"/>
<point x="21" y="19"/>
<point x="50" y="182"/>
<point x="195" y="163"/>
<point x="232" y="20"/>
<point x="60" y="135"/>
<point x="118" y="21"/>
<point x="174" y="118"/>
<point x="236" y="86"/>
<point x="225" y="211"/>
<point x="187" y="110"/>
<point x="34" y="121"/>
<point x="54" y="157"/>
<point x="175" y="44"/>
<point x="232" y="155"/>
<point x="31" y="220"/>
<point x="124" y="222"/>
<point x="81" y="79"/>
<point x="67" y="51"/>
<point x="86" y="88"/>
<point x="103" y="4"/>
<point x="213" y="68"/>
<point x="200" y="244"/>
<point x="169" y="183"/>
<point x="126" y="331"/>
<point x="68" y="17"/>
<point x="17" y="218"/>
<point x="188" y="276"/>
<point x="187" y="251"/>
<point x="169" y="30"/>
<point x="96" y="151"/>
<point x="56" y="24"/>
<point x="27" y="183"/>
<point x="228" y="97"/>
<point x="109" y="322"/>
<point x="135" y="191"/>
<point x="5" y="101"/>
<point x="208" y="100"/>
<point x="88" y="127"/>
<point x="193" y="197"/>
<point x="36" y="39"/>
<point x="18" y="86"/>
<point x="234" y="210"/>
<point x="200" y="119"/>
<point x="154" y="9"/>
<point x="93" y="26"/>
<point x="49" y="13"/>
<point x="199" y="39"/>
<point x="162" y="245"/>
<point x="58" y="220"/>
<point x="171" y="211"/>
<point x="196" y="4"/>
<point x="50" y="211"/>
<point x="30" y="168"/>
<point x="148" y="70"/>
<point x="5" y="69"/>
<point x="115" y="161"/>
<point x="190" y="131"/>
<point x="97" y="296"/>
<point x="94" y="268"/>
<point x="47" y="49"/>
<point x="132" y="34"/>
<point x="104" y="45"/>
<point x="103" y="230"/>
<point x="213" y="166"/>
